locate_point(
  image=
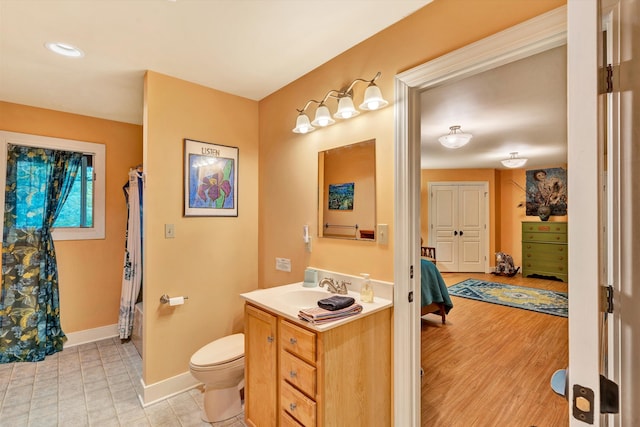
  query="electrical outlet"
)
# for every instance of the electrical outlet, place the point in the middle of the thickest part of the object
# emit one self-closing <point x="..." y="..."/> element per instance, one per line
<point x="283" y="264"/>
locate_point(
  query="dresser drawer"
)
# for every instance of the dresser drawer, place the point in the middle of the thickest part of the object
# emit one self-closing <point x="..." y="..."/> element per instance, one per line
<point x="297" y="405"/>
<point x="547" y="266"/>
<point x="298" y="341"/>
<point x="544" y="237"/>
<point x="299" y="373"/>
<point x="549" y="227"/>
<point x="544" y="251"/>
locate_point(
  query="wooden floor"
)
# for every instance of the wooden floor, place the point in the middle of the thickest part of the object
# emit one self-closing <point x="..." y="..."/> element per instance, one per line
<point x="490" y="365"/>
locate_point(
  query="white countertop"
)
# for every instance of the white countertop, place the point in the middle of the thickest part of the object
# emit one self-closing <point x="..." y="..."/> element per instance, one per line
<point x="276" y="300"/>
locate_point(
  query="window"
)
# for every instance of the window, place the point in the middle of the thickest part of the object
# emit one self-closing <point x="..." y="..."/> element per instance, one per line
<point x="82" y="216"/>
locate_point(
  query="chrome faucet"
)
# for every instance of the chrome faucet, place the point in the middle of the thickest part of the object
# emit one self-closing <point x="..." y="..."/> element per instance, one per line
<point x="333" y="287"/>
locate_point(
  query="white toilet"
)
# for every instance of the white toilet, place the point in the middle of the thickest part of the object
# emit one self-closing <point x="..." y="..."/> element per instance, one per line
<point x="219" y="365"/>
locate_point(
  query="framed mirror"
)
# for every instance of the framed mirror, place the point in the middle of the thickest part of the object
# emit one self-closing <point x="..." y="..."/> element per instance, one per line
<point x="347" y="191"/>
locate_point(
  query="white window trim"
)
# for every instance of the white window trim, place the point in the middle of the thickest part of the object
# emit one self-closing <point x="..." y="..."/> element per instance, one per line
<point x="97" y="150"/>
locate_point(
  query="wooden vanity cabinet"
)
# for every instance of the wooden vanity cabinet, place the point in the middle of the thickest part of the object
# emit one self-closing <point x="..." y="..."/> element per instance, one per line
<point x="341" y="376"/>
<point x="261" y="356"/>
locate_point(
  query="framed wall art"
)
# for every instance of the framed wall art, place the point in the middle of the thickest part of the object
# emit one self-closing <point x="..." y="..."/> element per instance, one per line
<point x="210" y="179"/>
<point x="547" y="190"/>
<point x="341" y="196"/>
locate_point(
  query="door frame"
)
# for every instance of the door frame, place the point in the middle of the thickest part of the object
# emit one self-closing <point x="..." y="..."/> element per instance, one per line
<point x="536" y="35"/>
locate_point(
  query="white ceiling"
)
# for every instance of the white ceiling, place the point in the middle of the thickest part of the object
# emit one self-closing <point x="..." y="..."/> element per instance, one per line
<point x="521" y="106"/>
<point x="249" y="48"/>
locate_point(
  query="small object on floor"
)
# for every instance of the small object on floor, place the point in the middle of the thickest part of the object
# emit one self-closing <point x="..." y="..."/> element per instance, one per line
<point x="504" y="265"/>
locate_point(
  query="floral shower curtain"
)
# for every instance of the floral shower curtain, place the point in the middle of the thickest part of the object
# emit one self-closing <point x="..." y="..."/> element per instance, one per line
<point x="38" y="183"/>
<point x="132" y="275"/>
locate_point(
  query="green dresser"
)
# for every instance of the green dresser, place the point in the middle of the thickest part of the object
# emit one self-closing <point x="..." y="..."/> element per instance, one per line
<point x="544" y="249"/>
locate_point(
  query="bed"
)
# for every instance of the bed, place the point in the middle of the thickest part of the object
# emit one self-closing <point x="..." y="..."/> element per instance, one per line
<point x="434" y="294"/>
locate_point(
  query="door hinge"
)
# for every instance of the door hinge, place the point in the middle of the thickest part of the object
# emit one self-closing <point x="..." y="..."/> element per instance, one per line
<point x="608" y="78"/>
<point x="411" y="272"/>
<point x="606" y="299"/>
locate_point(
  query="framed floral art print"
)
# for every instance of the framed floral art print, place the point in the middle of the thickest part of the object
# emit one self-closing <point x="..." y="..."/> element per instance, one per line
<point x="210" y="179"/>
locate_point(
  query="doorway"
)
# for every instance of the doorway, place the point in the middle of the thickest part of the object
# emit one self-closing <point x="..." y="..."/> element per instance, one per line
<point x="518" y="42"/>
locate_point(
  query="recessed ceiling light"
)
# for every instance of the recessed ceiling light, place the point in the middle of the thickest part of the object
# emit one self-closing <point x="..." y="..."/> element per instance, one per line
<point x="64" y="49"/>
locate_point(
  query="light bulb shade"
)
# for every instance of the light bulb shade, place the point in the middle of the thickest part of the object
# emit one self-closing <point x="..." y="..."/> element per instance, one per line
<point x="373" y="99"/>
<point x="346" y="110"/>
<point x="514" y="161"/>
<point x="455" y="138"/>
<point x="323" y="117"/>
<point x="303" y="125"/>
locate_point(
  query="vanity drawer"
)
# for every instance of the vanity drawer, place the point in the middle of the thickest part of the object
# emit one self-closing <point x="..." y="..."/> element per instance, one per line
<point x="297" y="405"/>
<point x="287" y="420"/>
<point x="298" y="373"/>
<point x="298" y="341"/>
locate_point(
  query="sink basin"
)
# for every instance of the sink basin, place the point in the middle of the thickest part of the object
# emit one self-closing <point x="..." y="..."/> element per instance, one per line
<point x="304" y="298"/>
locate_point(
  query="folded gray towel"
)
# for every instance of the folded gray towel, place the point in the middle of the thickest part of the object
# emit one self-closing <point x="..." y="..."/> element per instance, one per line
<point x="335" y="302"/>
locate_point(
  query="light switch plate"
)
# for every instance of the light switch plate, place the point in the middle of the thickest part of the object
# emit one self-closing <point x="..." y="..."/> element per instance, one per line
<point x="383" y="234"/>
<point x="169" y="231"/>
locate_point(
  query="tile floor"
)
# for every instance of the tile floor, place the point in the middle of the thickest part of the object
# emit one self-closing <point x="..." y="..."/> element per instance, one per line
<point x="91" y="385"/>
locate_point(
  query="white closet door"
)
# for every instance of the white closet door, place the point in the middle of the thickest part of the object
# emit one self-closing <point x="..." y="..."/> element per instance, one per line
<point x="457" y="229"/>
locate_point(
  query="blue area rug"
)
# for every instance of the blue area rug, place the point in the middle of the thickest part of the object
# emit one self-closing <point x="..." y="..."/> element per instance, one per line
<point x="540" y="300"/>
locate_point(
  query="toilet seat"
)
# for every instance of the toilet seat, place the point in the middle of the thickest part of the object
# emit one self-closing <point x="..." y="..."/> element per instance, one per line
<point x="219" y="352"/>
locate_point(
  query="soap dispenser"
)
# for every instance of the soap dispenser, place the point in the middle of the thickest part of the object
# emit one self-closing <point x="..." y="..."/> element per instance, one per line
<point x="366" y="290"/>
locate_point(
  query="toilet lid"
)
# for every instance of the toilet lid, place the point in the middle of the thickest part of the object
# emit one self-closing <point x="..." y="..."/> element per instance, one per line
<point x="220" y="351"/>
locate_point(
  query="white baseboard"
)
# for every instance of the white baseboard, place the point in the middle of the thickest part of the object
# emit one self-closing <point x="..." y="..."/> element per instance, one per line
<point x="91" y="335"/>
<point x="164" y="389"/>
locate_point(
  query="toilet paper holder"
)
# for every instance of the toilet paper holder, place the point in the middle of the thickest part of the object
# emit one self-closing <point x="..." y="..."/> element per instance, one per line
<point x="164" y="299"/>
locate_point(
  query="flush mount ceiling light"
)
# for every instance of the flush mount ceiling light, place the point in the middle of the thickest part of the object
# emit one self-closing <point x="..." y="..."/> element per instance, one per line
<point x="373" y="100"/>
<point x="64" y="49"/>
<point x="514" y="161"/>
<point x="456" y="138"/>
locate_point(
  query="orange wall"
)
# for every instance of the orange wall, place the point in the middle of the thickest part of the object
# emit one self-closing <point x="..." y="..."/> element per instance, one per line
<point x="506" y="194"/>
<point x="211" y="260"/>
<point x="90" y="271"/>
<point x="511" y="185"/>
<point x="288" y="161"/>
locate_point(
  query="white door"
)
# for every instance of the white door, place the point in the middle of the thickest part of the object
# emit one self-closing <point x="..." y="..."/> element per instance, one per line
<point x="457" y="226"/>
<point x="621" y="202"/>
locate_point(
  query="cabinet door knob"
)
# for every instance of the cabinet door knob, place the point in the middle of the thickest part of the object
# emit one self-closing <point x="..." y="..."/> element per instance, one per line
<point x="293" y="341"/>
<point x="292" y="406"/>
<point x="293" y="374"/>
<point x="269" y="339"/>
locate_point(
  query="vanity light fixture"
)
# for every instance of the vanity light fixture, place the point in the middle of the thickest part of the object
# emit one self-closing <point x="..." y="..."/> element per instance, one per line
<point x="455" y="138"/>
<point x="514" y="161"/>
<point x="373" y="100"/>
<point x="64" y="49"/>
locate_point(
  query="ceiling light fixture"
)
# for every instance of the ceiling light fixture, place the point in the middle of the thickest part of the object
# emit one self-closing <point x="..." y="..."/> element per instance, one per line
<point x="64" y="49"/>
<point x="373" y="100"/>
<point x="455" y="138"/>
<point x="514" y="161"/>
